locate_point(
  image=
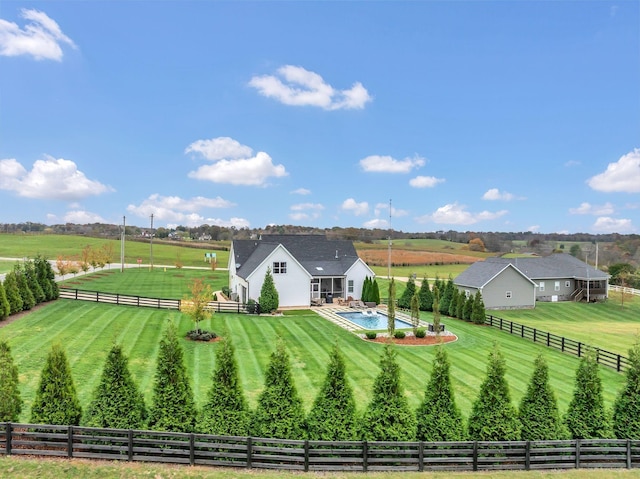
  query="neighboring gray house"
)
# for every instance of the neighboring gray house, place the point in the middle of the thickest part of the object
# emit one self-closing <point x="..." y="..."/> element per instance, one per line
<point x="513" y="283"/>
<point x="305" y="268"/>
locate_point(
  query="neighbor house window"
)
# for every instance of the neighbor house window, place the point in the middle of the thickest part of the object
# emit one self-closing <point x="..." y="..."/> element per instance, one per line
<point x="467" y="293"/>
<point x="541" y="285"/>
<point x="350" y="286"/>
<point x="557" y="286"/>
<point x="508" y="295"/>
<point x="279" y="267"/>
<point x="567" y="284"/>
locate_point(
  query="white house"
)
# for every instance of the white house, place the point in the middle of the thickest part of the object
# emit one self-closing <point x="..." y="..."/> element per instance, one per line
<point x="304" y="268"/>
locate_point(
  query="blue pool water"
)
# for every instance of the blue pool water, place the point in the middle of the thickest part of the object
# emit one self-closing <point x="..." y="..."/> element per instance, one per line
<point x="371" y="321"/>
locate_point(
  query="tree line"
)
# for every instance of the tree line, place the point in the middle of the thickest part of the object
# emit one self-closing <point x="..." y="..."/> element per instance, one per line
<point x="118" y="403"/>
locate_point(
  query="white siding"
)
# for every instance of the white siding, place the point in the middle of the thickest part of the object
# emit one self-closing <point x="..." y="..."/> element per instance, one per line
<point x="358" y="272"/>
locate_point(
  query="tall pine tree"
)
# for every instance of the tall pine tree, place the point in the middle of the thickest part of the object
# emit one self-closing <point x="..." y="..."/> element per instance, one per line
<point x="5" y="308"/>
<point x="10" y="400"/>
<point x="426" y="298"/>
<point x="269" y="299"/>
<point x="405" y="299"/>
<point x="226" y="412"/>
<point x="28" y="300"/>
<point x="438" y="417"/>
<point x="333" y="415"/>
<point x="478" y="314"/>
<point x="626" y="409"/>
<point x="32" y="279"/>
<point x="13" y="292"/>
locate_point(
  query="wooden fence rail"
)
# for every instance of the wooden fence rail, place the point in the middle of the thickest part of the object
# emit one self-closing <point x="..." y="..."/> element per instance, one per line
<point x="281" y="454"/>
<point x="158" y="303"/>
<point x="566" y="345"/>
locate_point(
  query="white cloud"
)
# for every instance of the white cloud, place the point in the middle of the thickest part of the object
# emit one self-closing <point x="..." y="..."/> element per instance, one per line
<point x="384" y="208"/>
<point x="606" y="224"/>
<point x="302" y="87"/>
<point x="358" y="209"/>
<point x="495" y="194"/>
<point x="219" y="148"/>
<point x="589" y="209"/>
<point x="455" y="214"/>
<point x="621" y="176"/>
<point x="80" y="217"/>
<point x="233" y="163"/>
<point x="306" y="211"/>
<point x="178" y="210"/>
<point x="49" y="179"/>
<point x="571" y="163"/>
<point x="301" y="191"/>
<point x="388" y="164"/>
<point x="425" y="181"/>
<point x="533" y="228"/>
<point x="41" y="37"/>
<point x="376" y="223"/>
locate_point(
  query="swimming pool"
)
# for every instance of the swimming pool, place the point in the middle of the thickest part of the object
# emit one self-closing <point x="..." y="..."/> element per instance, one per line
<point x="374" y="320"/>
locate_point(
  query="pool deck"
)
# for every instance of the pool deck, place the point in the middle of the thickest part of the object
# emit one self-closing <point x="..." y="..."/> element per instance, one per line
<point x="330" y="313"/>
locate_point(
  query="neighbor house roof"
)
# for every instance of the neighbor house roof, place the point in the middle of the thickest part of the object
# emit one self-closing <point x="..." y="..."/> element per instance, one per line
<point x="555" y="266"/>
<point x="317" y="254"/>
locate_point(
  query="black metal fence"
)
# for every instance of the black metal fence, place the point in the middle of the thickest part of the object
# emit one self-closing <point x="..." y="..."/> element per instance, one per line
<point x="566" y="345"/>
<point x="158" y="303"/>
<point x="281" y="454"/>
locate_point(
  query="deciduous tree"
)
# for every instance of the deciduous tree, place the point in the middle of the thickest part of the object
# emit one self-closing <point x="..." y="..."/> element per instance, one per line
<point x="196" y="306"/>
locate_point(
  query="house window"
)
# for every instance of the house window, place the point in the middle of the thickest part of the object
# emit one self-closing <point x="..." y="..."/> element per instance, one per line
<point x="467" y="293"/>
<point x="567" y="284"/>
<point x="279" y="267"/>
<point x="350" y="286"/>
<point x="556" y="286"/>
<point x="508" y="295"/>
<point x="541" y="286"/>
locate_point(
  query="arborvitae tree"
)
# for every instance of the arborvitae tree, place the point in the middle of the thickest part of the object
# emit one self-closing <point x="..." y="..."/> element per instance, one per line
<point x="493" y="417"/>
<point x="426" y="298"/>
<point x="538" y="412"/>
<point x="279" y="413"/>
<point x="478" y="314"/>
<point x="453" y="304"/>
<point x="391" y="309"/>
<point x="117" y="403"/>
<point x="226" y="412"/>
<point x="626" y="409"/>
<point x="173" y="407"/>
<point x="438" y="417"/>
<point x="28" y="300"/>
<point x="415" y="312"/>
<point x="13" y="292"/>
<point x="405" y="300"/>
<point x="366" y="289"/>
<point x="5" y="308"/>
<point x="445" y="296"/>
<point x="46" y="278"/>
<point x="32" y="279"/>
<point x="269" y="299"/>
<point x="10" y="400"/>
<point x="586" y="417"/>
<point x="467" y="311"/>
<point x="436" y="310"/>
<point x="462" y="301"/>
<point x="376" y="292"/>
<point x="333" y="415"/>
<point x="56" y="400"/>
<point x="388" y="416"/>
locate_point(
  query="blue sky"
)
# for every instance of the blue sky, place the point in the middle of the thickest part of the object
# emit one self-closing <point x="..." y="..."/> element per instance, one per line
<point x="479" y="115"/>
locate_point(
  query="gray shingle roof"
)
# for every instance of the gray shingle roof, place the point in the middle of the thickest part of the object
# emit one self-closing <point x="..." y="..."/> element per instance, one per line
<point x="555" y="266"/>
<point x="334" y="257"/>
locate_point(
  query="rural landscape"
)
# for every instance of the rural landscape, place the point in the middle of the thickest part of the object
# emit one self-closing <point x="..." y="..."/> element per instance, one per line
<point x="88" y="331"/>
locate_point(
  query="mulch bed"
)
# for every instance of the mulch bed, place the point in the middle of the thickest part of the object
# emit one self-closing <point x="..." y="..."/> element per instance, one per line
<point x="413" y="341"/>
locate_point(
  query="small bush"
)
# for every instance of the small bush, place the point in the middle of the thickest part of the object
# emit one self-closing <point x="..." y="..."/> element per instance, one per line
<point x="371" y="334"/>
<point x="421" y="333"/>
<point x="226" y="291"/>
<point x="215" y="297"/>
<point x="202" y="335"/>
<point x="399" y="334"/>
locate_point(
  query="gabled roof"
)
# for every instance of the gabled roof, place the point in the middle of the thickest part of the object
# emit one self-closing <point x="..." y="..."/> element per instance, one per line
<point x="555" y="266"/>
<point x="478" y="274"/>
<point x="317" y="254"/>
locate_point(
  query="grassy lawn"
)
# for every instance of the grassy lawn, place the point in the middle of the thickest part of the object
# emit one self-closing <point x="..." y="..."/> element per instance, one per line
<point x="87" y="331"/>
<point x="606" y="325"/>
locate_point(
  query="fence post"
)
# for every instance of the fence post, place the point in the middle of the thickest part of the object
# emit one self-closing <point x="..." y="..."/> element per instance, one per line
<point x="500" y="324"/>
<point x="7" y="446"/>
<point x="421" y="456"/>
<point x="306" y="456"/>
<point x="577" y="453"/>
<point x="475" y="455"/>
<point x="70" y="441"/>
<point x="130" y="445"/>
<point x="365" y="452"/>
<point x="628" y="453"/>
<point x="548" y="338"/>
<point x="527" y="456"/>
<point x="76" y="293"/>
<point x="579" y="348"/>
<point x="97" y="297"/>
<point x="192" y="449"/>
<point x="535" y="333"/>
<point x="249" y="452"/>
<point x="562" y="344"/>
<point x="510" y="327"/>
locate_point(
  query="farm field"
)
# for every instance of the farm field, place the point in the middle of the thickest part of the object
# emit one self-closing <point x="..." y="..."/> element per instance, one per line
<point x="606" y="325"/>
<point x="27" y="467"/>
<point x="88" y="330"/>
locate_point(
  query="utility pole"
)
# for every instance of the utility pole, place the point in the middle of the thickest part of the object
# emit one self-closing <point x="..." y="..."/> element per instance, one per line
<point x="390" y="234"/>
<point x="151" y="246"/>
<point x="122" y="244"/>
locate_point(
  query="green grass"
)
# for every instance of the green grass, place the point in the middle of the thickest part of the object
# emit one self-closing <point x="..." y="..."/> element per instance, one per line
<point x="606" y="325"/>
<point x="70" y="247"/>
<point x="87" y="331"/>
<point x="29" y="467"/>
<point x="168" y="283"/>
